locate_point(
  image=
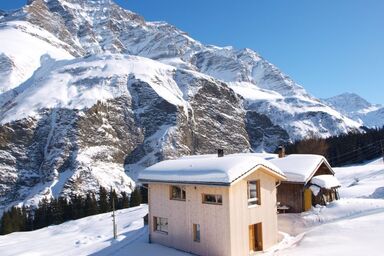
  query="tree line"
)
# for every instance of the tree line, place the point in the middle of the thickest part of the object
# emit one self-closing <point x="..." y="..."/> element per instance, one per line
<point x="56" y="211"/>
<point x="344" y="149"/>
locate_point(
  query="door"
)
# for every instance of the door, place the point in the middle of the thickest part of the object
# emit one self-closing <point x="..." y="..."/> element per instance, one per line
<point x="307" y="199"/>
<point x="255" y="237"/>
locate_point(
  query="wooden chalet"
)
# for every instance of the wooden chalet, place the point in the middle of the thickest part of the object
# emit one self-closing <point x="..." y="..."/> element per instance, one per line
<point x="213" y="205"/>
<point x="310" y="181"/>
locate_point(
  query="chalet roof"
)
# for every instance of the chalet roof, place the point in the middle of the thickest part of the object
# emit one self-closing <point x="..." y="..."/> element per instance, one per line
<point x="207" y="169"/>
<point x="300" y="167"/>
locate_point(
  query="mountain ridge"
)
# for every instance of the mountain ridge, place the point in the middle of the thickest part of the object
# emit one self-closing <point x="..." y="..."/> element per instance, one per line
<point x="358" y="109"/>
<point x="95" y="93"/>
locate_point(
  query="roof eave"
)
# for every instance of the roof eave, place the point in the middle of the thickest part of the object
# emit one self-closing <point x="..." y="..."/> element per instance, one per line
<point x="323" y="160"/>
<point x="221" y="184"/>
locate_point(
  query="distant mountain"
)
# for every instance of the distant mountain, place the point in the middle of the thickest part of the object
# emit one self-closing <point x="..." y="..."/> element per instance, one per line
<point x="358" y="109"/>
<point x="89" y="90"/>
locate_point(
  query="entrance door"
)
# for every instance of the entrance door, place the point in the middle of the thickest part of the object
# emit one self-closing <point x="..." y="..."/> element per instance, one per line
<point x="307" y="199"/>
<point x="255" y="237"/>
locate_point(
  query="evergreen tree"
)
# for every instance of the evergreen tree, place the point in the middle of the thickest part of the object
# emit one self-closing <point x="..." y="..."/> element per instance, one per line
<point x="41" y="214"/>
<point x="351" y="148"/>
<point x="90" y="205"/>
<point x="103" y="200"/>
<point x="6" y="223"/>
<point x="124" y="200"/>
<point x="66" y="208"/>
<point x="57" y="212"/>
<point x="78" y="206"/>
<point x="135" y="199"/>
<point x="29" y="220"/>
<point x="144" y="194"/>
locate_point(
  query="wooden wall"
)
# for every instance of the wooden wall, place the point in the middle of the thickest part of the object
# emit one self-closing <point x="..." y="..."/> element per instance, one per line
<point x="224" y="228"/>
<point x="291" y="195"/>
<point x="213" y="219"/>
<point x="323" y="169"/>
<point x="242" y="215"/>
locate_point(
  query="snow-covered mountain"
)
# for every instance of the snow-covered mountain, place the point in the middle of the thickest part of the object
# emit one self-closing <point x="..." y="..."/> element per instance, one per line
<point x="88" y="88"/>
<point x="358" y="109"/>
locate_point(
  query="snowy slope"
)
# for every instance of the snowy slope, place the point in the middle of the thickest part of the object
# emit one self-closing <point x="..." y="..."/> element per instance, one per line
<point x="366" y="180"/>
<point x="350" y="226"/>
<point x="91" y="235"/>
<point x="64" y="84"/>
<point x="21" y="47"/>
<point x="352" y="236"/>
<point x="358" y="109"/>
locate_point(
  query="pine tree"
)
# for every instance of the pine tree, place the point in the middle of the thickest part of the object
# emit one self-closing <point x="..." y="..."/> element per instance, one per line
<point x="124" y="200"/>
<point x="135" y="199"/>
<point x="57" y="212"/>
<point x="103" y="200"/>
<point x="144" y="194"/>
<point x="41" y="218"/>
<point x="90" y="205"/>
<point x="78" y="206"/>
<point x="6" y="223"/>
<point x="66" y="207"/>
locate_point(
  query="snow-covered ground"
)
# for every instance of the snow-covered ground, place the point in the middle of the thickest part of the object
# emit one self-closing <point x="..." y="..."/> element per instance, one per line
<point x="352" y="225"/>
<point x="88" y="236"/>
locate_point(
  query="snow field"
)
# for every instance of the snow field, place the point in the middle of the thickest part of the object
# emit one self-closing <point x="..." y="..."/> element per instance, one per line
<point x="352" y="225"/>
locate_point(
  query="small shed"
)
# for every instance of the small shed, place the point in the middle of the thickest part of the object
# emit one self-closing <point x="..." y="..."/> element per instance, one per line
<point x="310" y="181"/>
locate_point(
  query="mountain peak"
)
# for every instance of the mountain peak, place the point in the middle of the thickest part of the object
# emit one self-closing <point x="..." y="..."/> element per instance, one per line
<point x="351" y="101"/>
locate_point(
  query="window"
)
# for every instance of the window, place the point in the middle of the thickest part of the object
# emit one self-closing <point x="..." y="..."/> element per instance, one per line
<point x="254" y="192"/>
<point x="160" y="224"/>
<point x="196" y="233"/>
<point x="212" y="199"/>
<point x="178" y="193"/>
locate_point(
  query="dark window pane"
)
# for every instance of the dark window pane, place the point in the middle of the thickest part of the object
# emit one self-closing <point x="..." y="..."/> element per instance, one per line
<point x="178" y="192"/>
<point x="212" y="199"/>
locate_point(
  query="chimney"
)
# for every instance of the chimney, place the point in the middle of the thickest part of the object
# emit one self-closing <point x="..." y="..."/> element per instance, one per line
<point x="281" y="151"/>
<point x="220" y="152"/>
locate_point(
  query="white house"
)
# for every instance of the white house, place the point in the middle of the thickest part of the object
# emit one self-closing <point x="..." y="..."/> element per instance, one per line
<point x="213" y="204"/>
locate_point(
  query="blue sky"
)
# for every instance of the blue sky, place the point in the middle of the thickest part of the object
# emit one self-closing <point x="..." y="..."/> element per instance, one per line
<point x="327" y="46"/>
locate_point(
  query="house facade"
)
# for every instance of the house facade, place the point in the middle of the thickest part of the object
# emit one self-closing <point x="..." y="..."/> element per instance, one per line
<point x="210" y="205"/>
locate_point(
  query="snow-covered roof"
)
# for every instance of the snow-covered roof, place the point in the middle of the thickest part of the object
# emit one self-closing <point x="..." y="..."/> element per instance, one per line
<point x="325" y="181"/>
<point x="315" y="189"/>
<point x="206" y="169"/>
<point x="300" y="167"/>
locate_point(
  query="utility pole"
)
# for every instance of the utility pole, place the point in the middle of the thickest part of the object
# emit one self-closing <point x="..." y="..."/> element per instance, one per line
<point x="114" y="219"/>
<point x="382" y="150"/>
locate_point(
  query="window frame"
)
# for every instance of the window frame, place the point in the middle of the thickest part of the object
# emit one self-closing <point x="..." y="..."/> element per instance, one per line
<point x="218" y="199"/>
<point x="196" y="233"/>
<point x="253" y="201"/>
<point x="182" y="189"/>
<point x="156" y="221"/>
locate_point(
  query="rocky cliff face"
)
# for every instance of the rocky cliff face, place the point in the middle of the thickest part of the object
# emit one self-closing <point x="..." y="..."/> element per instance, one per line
<point x="91" y="92"/>
<point x="86" y="141"/>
